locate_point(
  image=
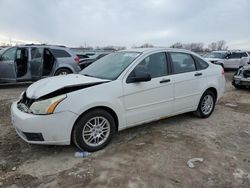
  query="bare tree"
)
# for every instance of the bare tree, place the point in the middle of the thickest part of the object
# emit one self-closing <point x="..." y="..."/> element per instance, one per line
<point x="221" y="45"/>
<point x="147" y="45"/>
<point x="212" y="46"/>
<point x="177" y="45"/>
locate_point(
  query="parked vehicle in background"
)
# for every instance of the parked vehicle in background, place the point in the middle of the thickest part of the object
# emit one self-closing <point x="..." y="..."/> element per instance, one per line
<point x="215" y="56"/>
<point x="33" y="62"/>
<point x="87" y="61"/>
<point x="79" y="53"/>
<point x="229" y="59"/>
<point x="241" y="78"/>
<point x="118" y="91"/>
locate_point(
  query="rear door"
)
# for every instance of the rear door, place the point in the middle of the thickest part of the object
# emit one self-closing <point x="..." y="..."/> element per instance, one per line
<point x="7" y="66"/>
<point x="187" y="82"/>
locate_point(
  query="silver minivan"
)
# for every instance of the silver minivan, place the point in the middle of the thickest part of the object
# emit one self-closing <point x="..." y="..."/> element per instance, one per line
<point x="33" y="62"/>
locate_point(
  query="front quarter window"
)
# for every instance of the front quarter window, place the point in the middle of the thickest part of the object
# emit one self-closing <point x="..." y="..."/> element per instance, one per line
<point x="110" y="66"/>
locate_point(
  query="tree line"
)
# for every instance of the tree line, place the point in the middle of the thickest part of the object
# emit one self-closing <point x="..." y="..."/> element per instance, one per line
<point x="200" y="47"/>
<point x="194" y="46"/>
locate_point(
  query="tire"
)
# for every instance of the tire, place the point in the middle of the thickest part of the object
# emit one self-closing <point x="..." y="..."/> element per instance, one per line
<point x="201" y="112"/>
<point x="63" y="71"/>
<point x="86" y="124"/>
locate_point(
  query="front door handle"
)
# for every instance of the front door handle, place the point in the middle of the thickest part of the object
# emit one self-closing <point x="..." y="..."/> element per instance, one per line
<point x="164" y="81"/>
<point x="198" y="74"/>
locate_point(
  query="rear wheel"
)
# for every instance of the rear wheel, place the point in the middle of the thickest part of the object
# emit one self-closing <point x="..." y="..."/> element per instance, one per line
<point x="63" y="71"/>
<point x="94" y="130"/>
<point x="206" y="105"/>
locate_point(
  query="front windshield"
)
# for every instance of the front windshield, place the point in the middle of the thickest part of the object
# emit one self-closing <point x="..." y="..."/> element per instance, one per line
<point x="218" y="55"/>
<point x="110" y="66"/>
<point x="3" y="50"/>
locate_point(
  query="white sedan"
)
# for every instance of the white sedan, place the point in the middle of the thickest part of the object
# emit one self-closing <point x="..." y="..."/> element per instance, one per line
<point x="121" y="90"/>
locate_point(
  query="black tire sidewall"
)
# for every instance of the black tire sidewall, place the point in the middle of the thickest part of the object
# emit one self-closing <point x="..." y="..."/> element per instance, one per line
<point x="62" y="70"/>
<point x="199" y="107"/>
<point x="78" y="128"/>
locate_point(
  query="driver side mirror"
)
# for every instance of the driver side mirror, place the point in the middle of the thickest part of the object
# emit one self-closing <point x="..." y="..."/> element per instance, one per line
<point x="139" y="74"/>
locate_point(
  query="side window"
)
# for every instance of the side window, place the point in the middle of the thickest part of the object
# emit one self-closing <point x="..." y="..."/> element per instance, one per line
<point x="60" y="53"/>
<point x="9" y="55"/>
<point x="36" y="53"/>
<point x="200" y="63"/>
<point x="244" y="54"/>
<point x="235" y="56"/>
<point x="155" y="64"/>
<point x="182" y="62"/>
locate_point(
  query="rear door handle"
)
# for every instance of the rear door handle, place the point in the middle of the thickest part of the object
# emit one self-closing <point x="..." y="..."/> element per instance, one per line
<point x="165" y="81"/>
<point x="198" y="74"/>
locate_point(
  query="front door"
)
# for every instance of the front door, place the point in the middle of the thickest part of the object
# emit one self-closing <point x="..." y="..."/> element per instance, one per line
<point x="36" y="63"/>
<point x="232" y="61"/>
<point x="7" y="66"/>
<point x="22" y="64"/>
<point x="147" y="101"/>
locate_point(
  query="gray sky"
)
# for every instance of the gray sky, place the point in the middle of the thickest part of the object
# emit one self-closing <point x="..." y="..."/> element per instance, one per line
<point x="126" y="22"/>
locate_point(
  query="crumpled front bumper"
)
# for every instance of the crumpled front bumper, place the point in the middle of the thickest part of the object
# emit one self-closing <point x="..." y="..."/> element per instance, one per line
<point x="53" y="129"/>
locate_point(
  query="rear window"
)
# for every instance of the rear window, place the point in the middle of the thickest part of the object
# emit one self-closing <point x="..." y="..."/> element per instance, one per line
<point x="60" y="53"/>
<point x="244" y="54"/>
<point x="200" y="63"/>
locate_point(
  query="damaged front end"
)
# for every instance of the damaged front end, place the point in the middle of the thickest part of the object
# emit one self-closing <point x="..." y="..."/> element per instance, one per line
<point x="241" y="78"/>
<point x="47" y="103"/>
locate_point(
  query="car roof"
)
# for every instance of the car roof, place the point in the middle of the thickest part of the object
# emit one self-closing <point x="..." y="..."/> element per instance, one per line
<point x="229" y="51"/>
<point x="40" y="45"/>
<point x="221" y="51"/>
<point x="147" y="50"/>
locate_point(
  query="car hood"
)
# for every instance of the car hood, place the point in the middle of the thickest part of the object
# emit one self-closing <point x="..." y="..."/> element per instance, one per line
<point x="213" y="59"/>
<point x="61" y="84"/>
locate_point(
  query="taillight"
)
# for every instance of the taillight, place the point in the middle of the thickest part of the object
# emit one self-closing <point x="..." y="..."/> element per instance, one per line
<point x="222" y="72"/>
<point x="77" y="59"/>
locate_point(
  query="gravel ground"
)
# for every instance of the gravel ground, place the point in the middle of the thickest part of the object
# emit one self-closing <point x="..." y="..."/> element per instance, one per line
<point x="151" y="155"/>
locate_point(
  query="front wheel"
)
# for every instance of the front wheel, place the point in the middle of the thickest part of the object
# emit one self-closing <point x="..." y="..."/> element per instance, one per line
<point x="206" y="105"/>
<point x="94" y="130"/>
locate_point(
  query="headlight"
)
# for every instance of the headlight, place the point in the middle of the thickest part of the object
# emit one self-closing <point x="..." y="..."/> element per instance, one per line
<point x="46" y="106"/>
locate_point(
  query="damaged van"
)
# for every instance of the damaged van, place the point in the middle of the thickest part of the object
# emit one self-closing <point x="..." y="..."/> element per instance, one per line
<point x="33" y="62"/>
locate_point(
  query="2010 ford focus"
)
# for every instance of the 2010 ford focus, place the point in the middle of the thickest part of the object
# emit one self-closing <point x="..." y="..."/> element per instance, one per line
<point x="121" y="90"/>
